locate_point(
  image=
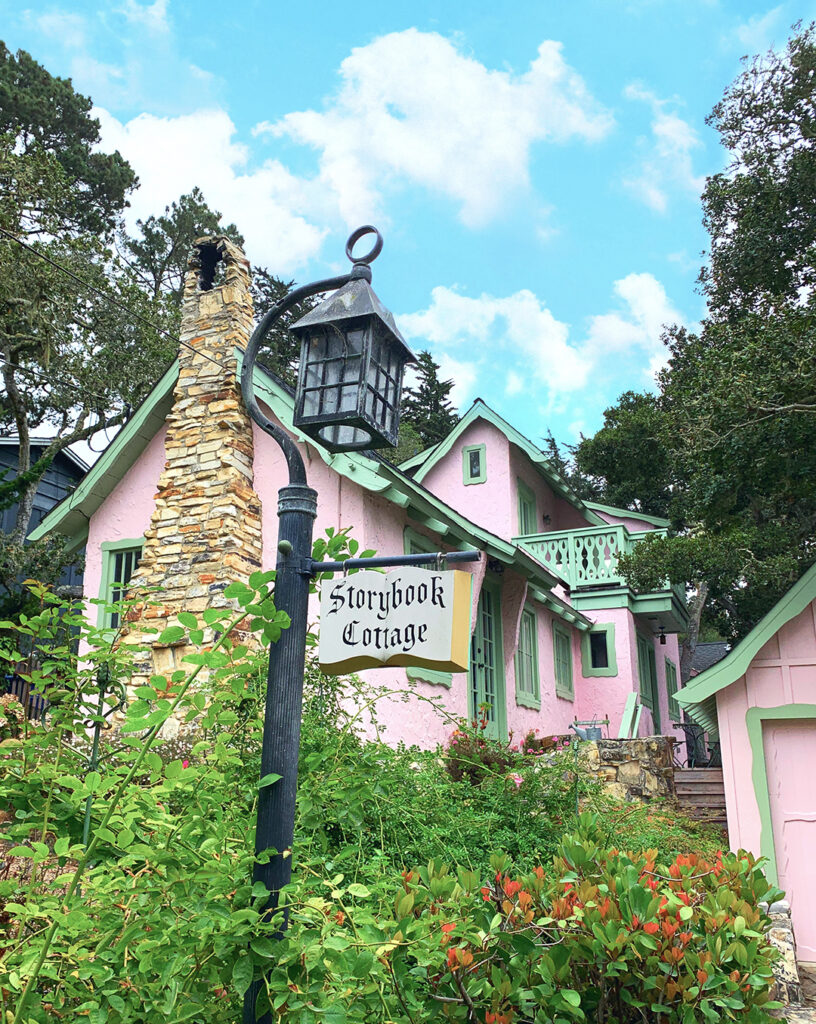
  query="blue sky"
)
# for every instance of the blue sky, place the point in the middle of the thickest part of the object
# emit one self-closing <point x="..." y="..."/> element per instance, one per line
<point x="534" y="167"/>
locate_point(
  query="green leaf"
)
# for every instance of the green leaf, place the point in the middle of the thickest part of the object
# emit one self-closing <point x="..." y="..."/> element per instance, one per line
<point x="358" y="889"/>
<point x="571" y="996"/>
<point x="361" y="967"/>
<point x="187" y="619"/>
<point x="171" y="635"/>
<point x="686" y="913"/>
<point x="173" y="770"/>
<point x="242" y="974"/>
<point x="268" y="780"/>
<point x="125" y="838"/>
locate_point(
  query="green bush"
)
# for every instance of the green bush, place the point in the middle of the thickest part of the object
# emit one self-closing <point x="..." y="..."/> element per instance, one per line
<point x="157" y="919"/>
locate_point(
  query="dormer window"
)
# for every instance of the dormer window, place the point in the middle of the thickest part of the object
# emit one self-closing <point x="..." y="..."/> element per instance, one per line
<point x="474" y="467"/>
<point x="526" y="510"/>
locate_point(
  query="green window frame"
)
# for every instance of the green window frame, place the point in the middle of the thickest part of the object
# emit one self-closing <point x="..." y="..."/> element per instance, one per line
<point x="416" y="544"/>
<point x="562" y="660"/>
<point x="606" y="629"/>
<point x="647" y="678"/>
<point x="526" y="510"/>
<point x="474" y="464"/>
<point x="119" y="561"/>
<point x="671" y="689"/>
<point x="528" y="691"/>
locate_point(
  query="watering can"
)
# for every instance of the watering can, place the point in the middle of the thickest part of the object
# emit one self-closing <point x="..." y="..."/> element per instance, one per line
<point x="593" y="732"/>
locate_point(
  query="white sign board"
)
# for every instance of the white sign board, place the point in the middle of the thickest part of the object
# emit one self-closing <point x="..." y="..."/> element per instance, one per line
<point x="408" y="616"/>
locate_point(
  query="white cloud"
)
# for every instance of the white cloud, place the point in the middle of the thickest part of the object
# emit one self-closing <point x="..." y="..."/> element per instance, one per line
<point x="464" y="376"/>
<point x="535" y="350"/>
<point x="68" y="28"/>
<point x="171" y="155"/>
<point x="667" y="160"/>
<point x="758" y="33"/>
<point x="152" y="17"/>
<point x="412" y="108"/>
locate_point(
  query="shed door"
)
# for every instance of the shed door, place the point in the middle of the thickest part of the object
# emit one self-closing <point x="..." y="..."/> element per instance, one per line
<point x="790" y="756"/>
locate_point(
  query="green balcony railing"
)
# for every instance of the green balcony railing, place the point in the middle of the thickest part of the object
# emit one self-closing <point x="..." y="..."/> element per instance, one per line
<point x="586" y="557"/>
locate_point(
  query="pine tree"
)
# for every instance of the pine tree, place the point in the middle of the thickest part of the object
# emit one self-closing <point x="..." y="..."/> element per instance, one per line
<point x="426" y="406"/>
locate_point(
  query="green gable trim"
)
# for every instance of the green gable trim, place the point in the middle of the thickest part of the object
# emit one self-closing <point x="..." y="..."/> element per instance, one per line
<point x="372" y="472"/>
<point x="735" y="664"/>
<point x="754" y="719"/>
<point x="480" y="411"/>
<point x="71" y="515"/>
<point x="628" y="513"/>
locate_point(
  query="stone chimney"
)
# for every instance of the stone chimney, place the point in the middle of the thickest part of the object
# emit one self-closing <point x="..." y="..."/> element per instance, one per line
<point x="205" y="531"/>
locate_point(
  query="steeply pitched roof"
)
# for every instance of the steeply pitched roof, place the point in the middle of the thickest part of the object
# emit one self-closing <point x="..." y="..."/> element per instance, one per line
<point x="367" y="469"/>
<point x="699" y="695"/>
<point x="44" y="442"/>
<point x="708" y="654"/>
<point x="420" y="465"/>
<point x="628" y="514"/>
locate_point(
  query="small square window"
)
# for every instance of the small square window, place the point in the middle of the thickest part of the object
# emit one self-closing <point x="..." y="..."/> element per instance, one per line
<point x="598" y="656"/>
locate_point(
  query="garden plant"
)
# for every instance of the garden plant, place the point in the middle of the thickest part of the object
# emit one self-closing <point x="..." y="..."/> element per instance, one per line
<point x="427" y="885"/>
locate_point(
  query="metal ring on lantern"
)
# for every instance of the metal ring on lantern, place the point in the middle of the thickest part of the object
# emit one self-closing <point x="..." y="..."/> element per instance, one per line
<point x="354" y="238"/>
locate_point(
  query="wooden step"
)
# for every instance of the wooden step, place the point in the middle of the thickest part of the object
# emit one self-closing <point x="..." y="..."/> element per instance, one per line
<point x="698" y="774"/>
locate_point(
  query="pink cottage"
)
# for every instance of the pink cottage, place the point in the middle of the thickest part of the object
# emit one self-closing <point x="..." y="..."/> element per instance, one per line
<point x="761" y="699"/>
<point x="185" y="498"/>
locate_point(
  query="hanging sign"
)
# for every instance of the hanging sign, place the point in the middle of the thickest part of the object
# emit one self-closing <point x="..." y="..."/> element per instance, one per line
<point x="408" y="616"/>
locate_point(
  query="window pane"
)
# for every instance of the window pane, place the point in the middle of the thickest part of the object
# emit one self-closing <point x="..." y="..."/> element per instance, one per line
<point x="475" y="463"/>
<point x="599" y="655"/>
<point x="124" y="565"/>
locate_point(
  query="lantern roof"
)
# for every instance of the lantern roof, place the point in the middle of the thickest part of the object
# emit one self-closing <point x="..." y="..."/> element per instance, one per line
<point x="357" y="298"/>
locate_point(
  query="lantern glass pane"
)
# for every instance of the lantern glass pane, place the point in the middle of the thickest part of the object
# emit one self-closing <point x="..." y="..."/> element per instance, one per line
<point x="382" y="384"/>
<point x="332" y="375"/>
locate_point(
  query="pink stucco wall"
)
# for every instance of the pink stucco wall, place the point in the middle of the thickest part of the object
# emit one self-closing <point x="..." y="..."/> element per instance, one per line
<point x="125" y="513"/>
<point x="783" y="672"/>
<point x="429" y="716"/>
<point x="497" y="498"/>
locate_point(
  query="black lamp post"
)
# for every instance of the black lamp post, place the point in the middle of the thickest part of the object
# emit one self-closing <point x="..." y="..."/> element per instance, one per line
<point x="348" y="396"/>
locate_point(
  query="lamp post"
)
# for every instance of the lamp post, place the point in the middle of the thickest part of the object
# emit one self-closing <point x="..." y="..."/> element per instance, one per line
<point x="348" y="396"/>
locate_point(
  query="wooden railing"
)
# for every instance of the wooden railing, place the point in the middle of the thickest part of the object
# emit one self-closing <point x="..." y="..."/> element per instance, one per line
<point x="583" y="558"/>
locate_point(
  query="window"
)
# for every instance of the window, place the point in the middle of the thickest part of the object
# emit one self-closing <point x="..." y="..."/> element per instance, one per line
<point x="671" y="689"/>
<point x="562" y="654"/>
<point x="474" y="464"/>
<point x="415" y="544"/>
<point x="119" y="561"/>
<point x="527" y="689"/>
<point x="598" y="657"/>
<point x="647" y="673"/>
<point x="526" y="510"/>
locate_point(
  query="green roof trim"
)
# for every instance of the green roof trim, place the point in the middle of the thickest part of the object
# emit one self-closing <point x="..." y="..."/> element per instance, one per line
<point x="481" y="411"/>
<point x="71" y="515"/>
<point x="370" y="471"/>
<point x="699" y="694"/>
<point x="596" y="506"/>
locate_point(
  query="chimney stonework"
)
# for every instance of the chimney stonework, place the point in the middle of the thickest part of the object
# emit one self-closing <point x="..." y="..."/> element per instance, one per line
<point x="205" y="531"/>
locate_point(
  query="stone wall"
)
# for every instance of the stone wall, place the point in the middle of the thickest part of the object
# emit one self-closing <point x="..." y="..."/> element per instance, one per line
<point x="788" y="989"/>
<point x="205" y="530"/>
<point x="639" y="769"/>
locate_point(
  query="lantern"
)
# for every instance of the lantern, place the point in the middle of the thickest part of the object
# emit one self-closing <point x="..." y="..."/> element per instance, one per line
<point x="352" y="358"/>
